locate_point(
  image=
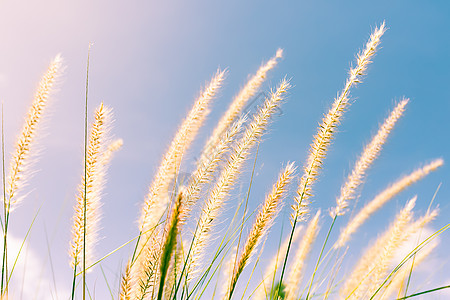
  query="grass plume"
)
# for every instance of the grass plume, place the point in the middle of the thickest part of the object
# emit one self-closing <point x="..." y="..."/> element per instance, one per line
<point x="370" y="153"/>
<point x="362" y="278"/>
<point x="157" y="198"/>
<point x="181" y="255"/>
<point x="93" y="184"/>
<point x="21" y="157"/>
<point x="238" y="104"/>
<point x="384" y="197"/>
<point x="230" y="172"/>
<point x="263" y="221"/>
<point x="325" y="132"/>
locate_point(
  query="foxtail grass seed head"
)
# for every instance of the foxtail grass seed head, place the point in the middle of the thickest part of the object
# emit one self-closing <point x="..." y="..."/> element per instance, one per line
<point x="400" y="277"/>
<point x="239" y="102"/>
<point x="397" y="240"/>
<point x="125" y="285"/>
<point x="112" y="148"/>
<point x="263" y="222"/>
<point x="93" y="186"/>
<point x="171" y="262"/>
<point x="229" y="174"/>
<point x="370" y="153"/>
<point x="331" y="120"/>
<point x="384" y="197"/>
<point x="207" y="168"/>
<point x="363" y="275"/>
<point x="22" y="156"/>
<point x="157" y="197"/>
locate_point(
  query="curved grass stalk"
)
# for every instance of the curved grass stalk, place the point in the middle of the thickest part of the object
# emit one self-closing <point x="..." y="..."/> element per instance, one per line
<point x="238" y="104"/>
<point x="384" y="197"/>
<point x="324" y="135"/>
<point x="21" y="159"/>
<point x="370" y="153"/>
<point x="362" y="276"/>
<point x="157" y="200"/>
<point x="262" y="224"/>
<point x="409" y="256"/>
<point x="229" y="174"/>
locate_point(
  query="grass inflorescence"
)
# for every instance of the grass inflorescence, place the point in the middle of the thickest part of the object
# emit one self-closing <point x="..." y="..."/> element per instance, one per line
<point x="179" y="252"/>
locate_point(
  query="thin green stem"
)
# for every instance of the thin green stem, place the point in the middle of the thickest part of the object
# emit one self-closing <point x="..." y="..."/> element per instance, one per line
<point x="74" y="277"/>
<point x="320" y="257"/>
<point x="243" y="220"/>
<point x="285" y="259"/>
<point x="21" y="246"/>
<point x="408" y="256"/>
<point x="107" y="283"/>
<point x="85" y="175"/>
<point x="3" y="171"/>
<point x="6" y="207"/>
<point x="425" y="292"/>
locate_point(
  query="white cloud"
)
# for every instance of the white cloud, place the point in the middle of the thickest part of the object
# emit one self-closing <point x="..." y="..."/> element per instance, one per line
<point x="29" y="279"/>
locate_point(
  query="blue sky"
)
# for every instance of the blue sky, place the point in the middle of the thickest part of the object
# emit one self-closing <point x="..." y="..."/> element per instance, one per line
<point x="149" y="62"/>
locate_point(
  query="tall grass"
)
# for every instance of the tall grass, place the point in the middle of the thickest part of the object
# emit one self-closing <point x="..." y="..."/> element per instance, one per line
<point x="179" y="252"/>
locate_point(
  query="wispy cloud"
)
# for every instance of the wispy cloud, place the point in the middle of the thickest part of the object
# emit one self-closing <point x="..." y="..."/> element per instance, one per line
<point x="29" y="279"/>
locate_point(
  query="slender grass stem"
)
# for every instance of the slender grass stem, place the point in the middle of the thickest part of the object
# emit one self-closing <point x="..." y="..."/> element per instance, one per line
<point x="21" y="247"/>
<point x="409" y="255"/>
<point x="50" y="259"/>
<point x="85" y="174"/>
<point x="425" y="292"/>
<point x="74" y="278"/>
<point x="3" y="172"/>
<point x="243" y="218"/>
<point x="277" y="293"/>
<point x="107" y="283"/>
<point x="320" y="257"/>
<point x="5" y="210"/>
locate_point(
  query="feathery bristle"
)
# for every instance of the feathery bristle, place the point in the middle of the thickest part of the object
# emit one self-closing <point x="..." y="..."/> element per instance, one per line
<point x="205" y="169"/>
<point x="157" y="198"/>
<point x="93" y="185"/>
<point x="239" y="102"/>
<point x="363" y="274"/>
<point x="331" y="120"/>
<point x="263" y="222"/>
<point x="20" y="161"/>
<point x="125" y="285"/>
<point x="228" y="176"/>
<point x="370" y="153"/>
<point x="382" y="264"/>
<point x="298" y="267"/>
<point x="384" y="197"/>
<point x="112" y="148"/>
<point x="144" y="272"/>
<point x="396" y="284"/>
